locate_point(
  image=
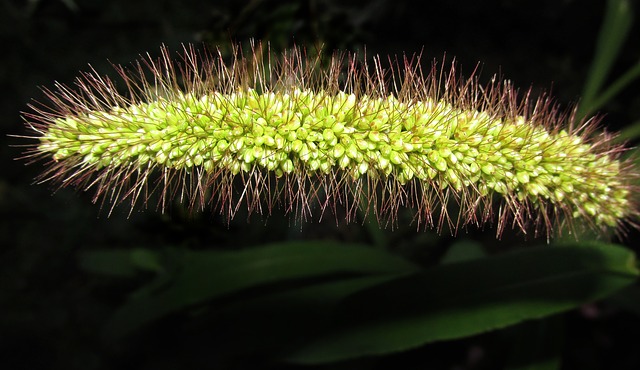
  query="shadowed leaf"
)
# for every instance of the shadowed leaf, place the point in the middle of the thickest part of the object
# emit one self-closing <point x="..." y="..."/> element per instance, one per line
<point x="467" y="298"/>
<point x="206" y="275"/>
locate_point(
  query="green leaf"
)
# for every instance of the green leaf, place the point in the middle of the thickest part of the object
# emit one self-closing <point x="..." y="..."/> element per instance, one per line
<point x="613" y="32"/>
<point x="462" y="299"/>
<point x="276" y="322"/>
<point x="615" y="87"/>
<point x="206" y="275"/>
<point x="629" y="132"/>
<point x="120" y="262"/>
<point x="463" y="250"/>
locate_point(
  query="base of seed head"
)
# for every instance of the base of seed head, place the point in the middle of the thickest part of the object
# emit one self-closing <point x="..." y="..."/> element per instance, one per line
<point x="291" y="131"/>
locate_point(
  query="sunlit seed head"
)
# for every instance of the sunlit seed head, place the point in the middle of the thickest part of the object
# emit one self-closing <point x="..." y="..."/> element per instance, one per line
<point x="335" y="132"/>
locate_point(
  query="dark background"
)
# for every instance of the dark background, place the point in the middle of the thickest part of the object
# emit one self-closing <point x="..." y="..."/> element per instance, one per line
<point x="50" y="310"/>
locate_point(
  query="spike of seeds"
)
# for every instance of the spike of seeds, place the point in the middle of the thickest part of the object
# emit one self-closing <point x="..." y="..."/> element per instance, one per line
<point x="295" y="134"/>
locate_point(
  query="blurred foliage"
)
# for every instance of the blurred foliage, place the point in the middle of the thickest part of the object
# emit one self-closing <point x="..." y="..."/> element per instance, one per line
<point x="67" y="272"/>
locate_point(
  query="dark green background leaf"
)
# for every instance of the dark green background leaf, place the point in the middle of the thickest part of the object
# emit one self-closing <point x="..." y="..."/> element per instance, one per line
<point x="467" y="298"/>
<point x="206" y="275"/>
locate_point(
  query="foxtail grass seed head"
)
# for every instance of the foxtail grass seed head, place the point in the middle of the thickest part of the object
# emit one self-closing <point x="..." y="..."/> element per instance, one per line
<point x="313" y="136"/>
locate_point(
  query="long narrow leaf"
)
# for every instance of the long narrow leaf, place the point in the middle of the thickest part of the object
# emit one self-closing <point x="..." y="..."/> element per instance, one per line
<point x="623" y="81"/>
<point x="206" y="275"/>
<point x="467" y="298"/>
<point x="613" y="32"/>
<point x="276" y="322"/>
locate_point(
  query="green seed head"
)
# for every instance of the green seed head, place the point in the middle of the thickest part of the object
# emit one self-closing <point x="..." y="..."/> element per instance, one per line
<point x="312" y="138"/>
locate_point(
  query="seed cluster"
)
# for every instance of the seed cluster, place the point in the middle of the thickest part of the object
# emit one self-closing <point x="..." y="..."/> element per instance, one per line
<point x="432" y="143"/>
